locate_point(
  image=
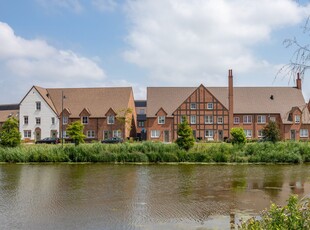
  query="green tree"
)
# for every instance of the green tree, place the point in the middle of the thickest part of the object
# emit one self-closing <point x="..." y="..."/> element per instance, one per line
<point x="9" y="134"/>
<point x="75" y="131"/>
<point x="186" y="139"/>
<point x="237" y="136"/>
<point x="271" y="132"/>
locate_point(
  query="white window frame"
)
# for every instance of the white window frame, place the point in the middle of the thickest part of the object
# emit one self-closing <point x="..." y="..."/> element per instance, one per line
<point x="236" y="120"/>
<point x="38" y="120"/>
<point x="261" y="119"/>
<point x="38" y="105"/>
<point x="297" y="119"/>
<point x="65" y="120"/>
<point x="26" y="120"/>
<point x="193" y="119"/>
<point x="208" y="119"/>
<point x="85" y="120"/>
<point x="161" y="120"/>
<point x="90" y="133"/>
<point x="64" y="134"/>
<point x="155" y="133"/>
<point x="27" y="133"/>
<point x="248" y="133"/>
<point x="247" y="119"/>
<point x="273" y="119"/>
<point x="117" y="133"/>
<point x="111" y="119"/>
<point x="140" y="123"/>
<point x="209" y="133"/>
<point x="193" y="105"/>
<point x="210" y="105"/>
<point x="220" y="120"/>
<point x="304" y="133"/>
<point x="260" y="133"/>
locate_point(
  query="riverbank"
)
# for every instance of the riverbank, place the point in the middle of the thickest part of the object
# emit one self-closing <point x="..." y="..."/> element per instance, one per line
<point x="149" y="152"/>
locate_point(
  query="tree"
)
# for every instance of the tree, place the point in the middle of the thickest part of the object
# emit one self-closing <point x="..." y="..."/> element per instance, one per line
<point x="125" y="118"/>
<point x="271" y="132"/>
<point x="9" y="134"/>
<point x="237" y="136"/>
<point x="75" y="131"/>
<point x="186" y="139"/>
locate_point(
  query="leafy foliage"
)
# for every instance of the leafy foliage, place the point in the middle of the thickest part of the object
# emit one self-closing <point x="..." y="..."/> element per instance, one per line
<point x="294" y="215"/>
<point x="237" y="136"/>
<point x="75" y="131"/>
<point x="9" y="134"/>
<point x="271" y="132"/>
<point x="186" y="139"/>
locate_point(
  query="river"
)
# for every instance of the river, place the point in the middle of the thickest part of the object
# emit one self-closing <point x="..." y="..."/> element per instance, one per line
<point x="108" y="196"/>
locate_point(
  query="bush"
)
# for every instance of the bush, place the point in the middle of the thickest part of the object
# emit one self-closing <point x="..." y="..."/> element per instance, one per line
<point x="237" y="136"/>
<point x="185" y="139"/>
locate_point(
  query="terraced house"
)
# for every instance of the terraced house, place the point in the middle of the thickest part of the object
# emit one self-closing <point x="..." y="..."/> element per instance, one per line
<point x="213" y="111"/>
<point x="104" y="112"/>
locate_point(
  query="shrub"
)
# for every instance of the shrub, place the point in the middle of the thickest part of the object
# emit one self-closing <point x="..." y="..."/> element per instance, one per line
<point x="237" y="136"/>
<point x="186" y="139"/>
<point x="271" y="132"/>
<point x="9" y="133"/>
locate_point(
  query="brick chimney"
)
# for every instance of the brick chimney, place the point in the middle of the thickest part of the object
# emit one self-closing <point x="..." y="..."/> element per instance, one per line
<point x="230" y="99"/>
<point x="298" y="82"/>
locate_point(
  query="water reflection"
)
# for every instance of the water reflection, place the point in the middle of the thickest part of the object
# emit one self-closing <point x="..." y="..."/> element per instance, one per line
<point x="100" y="196"/>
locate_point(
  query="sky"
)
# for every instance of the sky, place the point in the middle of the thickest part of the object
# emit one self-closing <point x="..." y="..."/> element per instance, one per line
<point x="141" y="43"/>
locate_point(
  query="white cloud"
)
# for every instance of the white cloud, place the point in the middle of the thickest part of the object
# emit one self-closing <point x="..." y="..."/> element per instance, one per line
<point x="105" y="5"/>
<point x="73" y="5"/>
<point x="196" y="41"/>
<point x="27" y="62"/>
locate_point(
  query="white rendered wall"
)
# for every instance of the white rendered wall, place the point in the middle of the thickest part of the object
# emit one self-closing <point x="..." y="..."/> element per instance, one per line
<point x="28" y="108"/>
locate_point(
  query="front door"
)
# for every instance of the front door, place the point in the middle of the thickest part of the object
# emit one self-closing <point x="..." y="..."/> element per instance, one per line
<point x="105" y="135"/>
<point x="293" y="134"/>
<point x="37" y="134"/>
<point x="166" y="136"/>
<point x="220" y="135"/>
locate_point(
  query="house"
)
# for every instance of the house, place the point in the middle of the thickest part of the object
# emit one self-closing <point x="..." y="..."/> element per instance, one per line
<point x="104" y="112"/>
<point x="8" y="111"/>
<point x="213" y="111"/>
<point x="141" y="118"/>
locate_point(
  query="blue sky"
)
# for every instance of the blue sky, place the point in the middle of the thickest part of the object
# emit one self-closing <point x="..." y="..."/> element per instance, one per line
<point x="140" y="43"/>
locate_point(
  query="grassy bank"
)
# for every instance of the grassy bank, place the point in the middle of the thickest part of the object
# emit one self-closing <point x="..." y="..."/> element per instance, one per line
<point x="282" y="152"/>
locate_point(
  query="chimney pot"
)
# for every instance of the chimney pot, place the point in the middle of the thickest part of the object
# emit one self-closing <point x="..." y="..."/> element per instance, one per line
<point x="298" y="82"/>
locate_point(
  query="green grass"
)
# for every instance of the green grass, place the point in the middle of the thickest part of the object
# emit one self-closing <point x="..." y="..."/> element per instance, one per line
<point x="265" y="152"/>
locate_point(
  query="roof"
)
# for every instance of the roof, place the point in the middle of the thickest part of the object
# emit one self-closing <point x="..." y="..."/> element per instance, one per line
<point x="45" y="95"/>
<point x="5" y="114"/>
<point x="97" y="100"/>
<point x="9" y="107"/>
<point x="247" y="100"/>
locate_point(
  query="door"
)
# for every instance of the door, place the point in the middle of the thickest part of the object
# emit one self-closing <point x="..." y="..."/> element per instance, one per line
<point x="37" y="134"/>
<point x="293" y="134"/>
<point x="53" y="133"/>
<point x="166" y="136"/>
<point x="105" y="135"/>
<point x="220" y="135"/>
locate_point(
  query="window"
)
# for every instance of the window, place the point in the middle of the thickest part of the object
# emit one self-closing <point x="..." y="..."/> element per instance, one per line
<point x="272" y="119"/>
<point x="247" y="119"/>
<point x="141" y="123"/>
<point x="260" y="133"/>
<point x="193" y="106"/>
<point x="209" y="133"/>
<point x="27" y="133"/>
<point x="64" y="134"/>
<point x="220" y="120"/>
<point x="304" y="133"/>
<point x="111" y="119"/>
<point x="297" y="118"/>
<point x="142" y="111"/>
<point x="236" y="120"/>
<point x="38" y="120"/>
<point x="248" y="133"/>
<point x="161" y="120"/>
<point x="90" y="133"/>
<point x="117" y="133"/>
<point x="85" y="120"/>
<point x="210" y="106"/>
<point x="261" y="119"/>
<point x="193" y="119"/>
<point x="155" y="133"/>
<point x="208" y="119"/>
<point x="65" y="120"/>
<point x="38" y="105"/>
<point x="53" y="120"/>
<point x="26" y="120"/>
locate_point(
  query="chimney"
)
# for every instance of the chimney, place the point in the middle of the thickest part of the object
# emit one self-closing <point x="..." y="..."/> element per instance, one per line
<point x="230" y="99"/>
<point x="298" y="82"/>
<point x="309" y="105"/>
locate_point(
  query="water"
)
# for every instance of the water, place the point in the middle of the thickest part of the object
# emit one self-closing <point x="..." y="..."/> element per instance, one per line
<point x="105" y="196"/>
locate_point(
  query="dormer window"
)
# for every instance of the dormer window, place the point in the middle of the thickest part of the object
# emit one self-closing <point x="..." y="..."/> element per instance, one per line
<point x="111" y="119"/>
<point x="297" y="119"/>
<point x="161" y="120"/>
<point x="193" y="106"/>
<point x="85" y="120"/>
<point x="38" y="105"/>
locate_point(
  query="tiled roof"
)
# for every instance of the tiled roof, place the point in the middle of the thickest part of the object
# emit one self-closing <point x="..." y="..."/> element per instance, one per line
<point x="247" y="100"/>
<point x="97" y="100"/>
<point x="5" y="114"/>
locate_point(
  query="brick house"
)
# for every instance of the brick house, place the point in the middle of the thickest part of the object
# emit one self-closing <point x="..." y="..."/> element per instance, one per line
<point x="104" y="112"/>
<point x="213" y="111"/>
